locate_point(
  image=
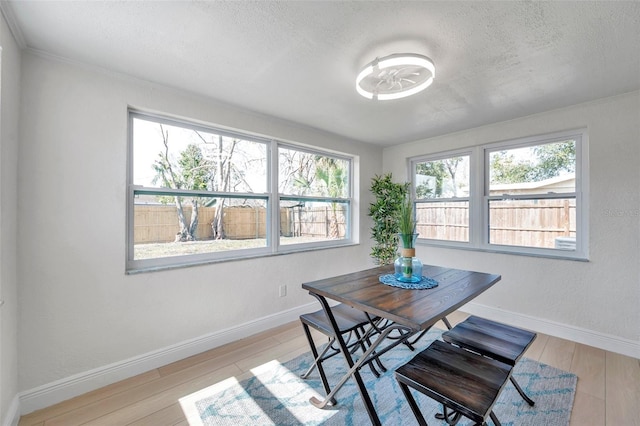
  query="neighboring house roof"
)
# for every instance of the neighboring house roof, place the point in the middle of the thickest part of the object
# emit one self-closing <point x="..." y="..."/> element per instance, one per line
<point x="564" y="183"/>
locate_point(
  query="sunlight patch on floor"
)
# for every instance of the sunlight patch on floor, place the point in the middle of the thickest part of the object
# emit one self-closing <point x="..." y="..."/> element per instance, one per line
<point x="267" y="374"/>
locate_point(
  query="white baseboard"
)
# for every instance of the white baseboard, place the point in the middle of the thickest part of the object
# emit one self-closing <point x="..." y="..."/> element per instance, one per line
<point x="12" y="416"/>
<point x="61" y="390"/>
<point x="78" y="384"/>
<point x="552" y="328"/>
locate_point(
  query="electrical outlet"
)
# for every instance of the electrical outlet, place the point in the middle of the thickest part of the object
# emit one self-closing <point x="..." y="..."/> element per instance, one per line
<point x="282" y="290"/>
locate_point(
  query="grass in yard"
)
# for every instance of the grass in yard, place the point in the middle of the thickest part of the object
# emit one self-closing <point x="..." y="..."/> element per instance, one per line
<point x="155" y="250"/>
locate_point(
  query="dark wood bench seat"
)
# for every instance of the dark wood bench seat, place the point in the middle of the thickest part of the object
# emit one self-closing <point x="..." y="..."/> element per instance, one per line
<point x="492" y="339"/>
<point x="467" y="383"/>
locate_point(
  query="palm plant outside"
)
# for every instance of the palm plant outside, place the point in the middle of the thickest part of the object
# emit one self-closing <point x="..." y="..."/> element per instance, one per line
<point x="333" y="176"/>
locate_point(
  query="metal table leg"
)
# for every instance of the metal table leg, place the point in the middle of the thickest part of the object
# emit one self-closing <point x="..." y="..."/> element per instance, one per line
<point x="354" y="367"/>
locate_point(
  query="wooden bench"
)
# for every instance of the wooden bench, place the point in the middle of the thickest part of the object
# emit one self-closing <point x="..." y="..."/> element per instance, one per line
<point x="462" y="381"/>
<point x="492" y="339"/>
<point x="349" y="320"/>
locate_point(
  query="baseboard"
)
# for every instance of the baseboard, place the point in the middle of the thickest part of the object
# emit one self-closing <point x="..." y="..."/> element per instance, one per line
<point x="78" y="384"/>
<point x="12" y="416"/>
<point x="552" y="328"/>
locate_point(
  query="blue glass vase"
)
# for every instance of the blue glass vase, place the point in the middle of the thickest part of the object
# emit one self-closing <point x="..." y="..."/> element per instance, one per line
<point x="407" y="267"/>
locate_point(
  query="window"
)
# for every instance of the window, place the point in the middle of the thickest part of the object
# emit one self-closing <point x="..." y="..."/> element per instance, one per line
<point x="199" y="194"/>
<point x="314" y="196"/>
<point x="442" y="197"/>
<point x="524" y="196"/>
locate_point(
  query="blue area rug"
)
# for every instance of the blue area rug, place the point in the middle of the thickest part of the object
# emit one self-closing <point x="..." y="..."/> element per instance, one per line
<point x="275" y="395"/>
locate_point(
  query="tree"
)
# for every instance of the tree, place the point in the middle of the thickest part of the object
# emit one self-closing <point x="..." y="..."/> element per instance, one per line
<point x="190" y="172"/>
<point x="442" y="171"/>
<point x="230" y="159"/>
<point x="506" y="169"/>
<point x="222" y="170"/>
<point x="334" y="179"/>
<point x="297" y="172"/>
<point x="542" y="162"/>
<point x="555" y="158"/>
<point x="194" y="175"/>
<point x="168" y="176"/>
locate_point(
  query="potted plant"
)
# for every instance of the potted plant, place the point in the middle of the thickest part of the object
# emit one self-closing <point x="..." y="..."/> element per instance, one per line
<point x="408" y="267"/>
<point x="406" y="223"/>
<point x="385" y="214"/>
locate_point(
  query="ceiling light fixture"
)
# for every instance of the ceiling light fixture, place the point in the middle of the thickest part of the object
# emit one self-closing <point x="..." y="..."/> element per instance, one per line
<point x="395" y="76"/>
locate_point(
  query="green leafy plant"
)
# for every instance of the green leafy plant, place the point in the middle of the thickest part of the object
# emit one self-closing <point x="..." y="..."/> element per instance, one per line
<point x="406" y="222"/>
<point x="385" y="213"/>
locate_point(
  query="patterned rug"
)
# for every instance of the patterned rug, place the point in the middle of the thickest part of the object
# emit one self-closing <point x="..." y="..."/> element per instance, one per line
<point x="275" y="395"/>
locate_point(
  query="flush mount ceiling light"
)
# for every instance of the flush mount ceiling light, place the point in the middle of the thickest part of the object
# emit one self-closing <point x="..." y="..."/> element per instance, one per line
<point x="395" y="76"/>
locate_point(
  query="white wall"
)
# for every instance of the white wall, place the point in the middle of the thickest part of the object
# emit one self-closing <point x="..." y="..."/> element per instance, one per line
<point x="79" y="311"/>
<point x="9" y="106"/>
<point x="597" y="301"/>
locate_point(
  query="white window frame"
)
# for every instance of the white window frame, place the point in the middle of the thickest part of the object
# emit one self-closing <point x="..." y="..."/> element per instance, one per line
<point x="436" y="157"/>
<point x="290" y="197"/>
<point x="271" y="197"/>
<point x="479" y="197"/>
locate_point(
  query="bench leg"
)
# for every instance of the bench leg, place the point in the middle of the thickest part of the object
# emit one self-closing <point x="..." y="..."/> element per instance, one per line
<point x="451" y="418"/>
<point x="410" y="344"/>
<point x="412" y="404"/>
<point x="318" y="363"/>
<point x="361" y="341"/>
<point x="521" y="392"/>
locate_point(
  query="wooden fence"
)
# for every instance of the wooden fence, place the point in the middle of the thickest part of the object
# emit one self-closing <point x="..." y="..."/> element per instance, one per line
<point x="524" y="223"/>
<point x="443" y="221"/>
<point x="159" y="223"/>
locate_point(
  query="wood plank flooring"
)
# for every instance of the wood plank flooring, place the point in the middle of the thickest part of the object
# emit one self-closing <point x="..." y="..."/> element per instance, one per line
<point x="608" y="390"/>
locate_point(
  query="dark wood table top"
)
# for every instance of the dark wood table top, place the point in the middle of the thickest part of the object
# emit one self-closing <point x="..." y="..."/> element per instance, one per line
<point x="416" y="309"/>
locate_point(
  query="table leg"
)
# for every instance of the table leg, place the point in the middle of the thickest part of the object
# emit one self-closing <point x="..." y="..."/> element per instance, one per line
<point x="354" y="367"/>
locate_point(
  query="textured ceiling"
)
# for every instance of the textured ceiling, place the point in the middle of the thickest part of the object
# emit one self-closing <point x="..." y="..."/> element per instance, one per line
<point x="298" y="60"/>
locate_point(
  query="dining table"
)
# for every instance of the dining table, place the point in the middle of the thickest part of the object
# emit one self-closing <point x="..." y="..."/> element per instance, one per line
<point x="408" y="311"/>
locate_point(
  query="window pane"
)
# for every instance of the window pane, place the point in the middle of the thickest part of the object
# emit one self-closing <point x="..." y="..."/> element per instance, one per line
<point x="304" y="222"/>
<point x="447" y="221"/>
<point x="447" y="178"/>
<point x="540" y="169"/>
<point x="169" y="156"/>
<point x="160" y="223"/>
<point x="310" y="174"/>
<point x="540" y="223"/>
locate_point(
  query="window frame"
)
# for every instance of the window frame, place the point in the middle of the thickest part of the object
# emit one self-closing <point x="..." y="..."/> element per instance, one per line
<point x="435" y="157"/>
<point x="272" y="199"/>
<point x="479" y="198"/>
<point x="288" y="248"/>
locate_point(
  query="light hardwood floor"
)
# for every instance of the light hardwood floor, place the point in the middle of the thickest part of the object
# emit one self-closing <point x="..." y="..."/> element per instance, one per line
<point x="608" y="390"/>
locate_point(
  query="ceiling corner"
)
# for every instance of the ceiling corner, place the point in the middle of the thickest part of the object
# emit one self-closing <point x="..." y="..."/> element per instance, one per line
<point x="9" y="17"/>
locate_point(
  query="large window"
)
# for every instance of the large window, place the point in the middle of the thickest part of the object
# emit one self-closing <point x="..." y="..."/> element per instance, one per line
<point x="199" y="194"/>
<point x="525" y="196"/>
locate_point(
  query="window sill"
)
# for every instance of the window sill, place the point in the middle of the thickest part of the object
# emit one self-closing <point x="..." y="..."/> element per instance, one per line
<point x="158" y="268"/>
<point x="531" y="252"/>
